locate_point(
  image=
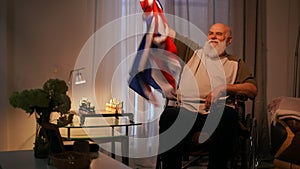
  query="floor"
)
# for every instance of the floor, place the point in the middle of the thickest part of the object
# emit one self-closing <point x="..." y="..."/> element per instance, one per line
<point x="149" y="163"/>
<point x="202" y="164"/>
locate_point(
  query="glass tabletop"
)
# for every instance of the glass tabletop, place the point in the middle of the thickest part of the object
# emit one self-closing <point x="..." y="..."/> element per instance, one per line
<point x="96" y="125"/>
<point x="100" y="121"/>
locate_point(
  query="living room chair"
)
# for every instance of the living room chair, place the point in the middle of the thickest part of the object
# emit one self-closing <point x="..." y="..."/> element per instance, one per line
<point x="285" y="132"/>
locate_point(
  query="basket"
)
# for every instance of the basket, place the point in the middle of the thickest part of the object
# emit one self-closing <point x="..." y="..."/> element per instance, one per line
<point x="71" y="160"/>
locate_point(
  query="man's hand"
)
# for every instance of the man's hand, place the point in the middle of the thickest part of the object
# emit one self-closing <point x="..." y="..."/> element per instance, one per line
<point x="170" y="94"/>
<point x="172" y="33"/>
<point x="215" y="95"/>
<point x="247" y="89"/>
<point x="159" y="41"/>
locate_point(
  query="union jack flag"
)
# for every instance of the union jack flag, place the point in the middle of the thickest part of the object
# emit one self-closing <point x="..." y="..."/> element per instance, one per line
<point x="155" y="66"/>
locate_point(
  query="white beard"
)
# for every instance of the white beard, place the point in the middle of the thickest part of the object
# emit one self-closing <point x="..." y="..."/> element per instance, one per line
<point x="216" y="51"/>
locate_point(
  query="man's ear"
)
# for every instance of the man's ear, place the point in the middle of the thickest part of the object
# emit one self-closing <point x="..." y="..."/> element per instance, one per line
<point x="229" y="40"/>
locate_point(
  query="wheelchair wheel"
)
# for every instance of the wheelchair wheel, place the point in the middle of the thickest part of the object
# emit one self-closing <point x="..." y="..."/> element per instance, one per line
<point x="251" y="144"/>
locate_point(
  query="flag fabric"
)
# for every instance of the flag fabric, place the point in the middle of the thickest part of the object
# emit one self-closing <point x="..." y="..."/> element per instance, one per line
<point x="155" y="66"/>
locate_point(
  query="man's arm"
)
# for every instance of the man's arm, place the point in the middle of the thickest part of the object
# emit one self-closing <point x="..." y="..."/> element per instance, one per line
<point x="247" y="89"/>
<point x="245" y="84"/>
<point x="172" y="33"/>
<point x="185" y="46"/>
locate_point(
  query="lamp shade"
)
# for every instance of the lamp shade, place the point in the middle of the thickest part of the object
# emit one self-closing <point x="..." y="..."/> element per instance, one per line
<point x="78" y="79"/>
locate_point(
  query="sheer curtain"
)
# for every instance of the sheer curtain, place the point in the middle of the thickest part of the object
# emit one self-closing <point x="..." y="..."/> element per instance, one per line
<point x="110" y="73"/>
<point x="107" y="57"/>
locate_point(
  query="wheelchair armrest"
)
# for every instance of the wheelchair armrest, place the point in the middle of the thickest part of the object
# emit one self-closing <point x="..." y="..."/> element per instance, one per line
<point x="238" y="98"/>
<point x="241" y="97"/>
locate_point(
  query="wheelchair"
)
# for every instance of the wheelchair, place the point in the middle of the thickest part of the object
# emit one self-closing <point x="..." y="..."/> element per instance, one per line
<point x="244" y="154"/>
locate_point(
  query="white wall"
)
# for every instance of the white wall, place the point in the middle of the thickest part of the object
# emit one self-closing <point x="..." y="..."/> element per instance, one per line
<point x="283" y="20"/>
<point x="44" y="39"/>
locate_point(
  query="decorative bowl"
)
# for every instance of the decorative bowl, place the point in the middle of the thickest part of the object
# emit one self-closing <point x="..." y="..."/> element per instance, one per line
<point x="71" y="160"/>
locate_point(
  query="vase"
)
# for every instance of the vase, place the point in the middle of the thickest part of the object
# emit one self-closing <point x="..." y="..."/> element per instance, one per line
<point x="41" y="145"/>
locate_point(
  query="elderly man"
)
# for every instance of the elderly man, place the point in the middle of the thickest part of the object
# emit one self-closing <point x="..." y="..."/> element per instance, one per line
<point x="209" y="79"/>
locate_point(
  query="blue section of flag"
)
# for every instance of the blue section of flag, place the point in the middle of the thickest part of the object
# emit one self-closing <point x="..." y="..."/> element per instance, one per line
<point x="154" y="67"/>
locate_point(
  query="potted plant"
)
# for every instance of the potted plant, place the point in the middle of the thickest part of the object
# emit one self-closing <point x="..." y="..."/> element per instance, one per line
<point x="41" y="102"/>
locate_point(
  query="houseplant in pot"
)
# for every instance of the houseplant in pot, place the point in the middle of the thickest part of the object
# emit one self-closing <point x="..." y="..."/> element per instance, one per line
<point x="41" y="102"/>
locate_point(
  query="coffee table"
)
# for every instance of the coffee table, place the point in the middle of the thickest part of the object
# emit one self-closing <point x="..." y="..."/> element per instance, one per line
<point x="119" y="130"/>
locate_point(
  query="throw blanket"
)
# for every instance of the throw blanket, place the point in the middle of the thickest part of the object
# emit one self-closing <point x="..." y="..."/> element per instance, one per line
<point x="284" y="108"/>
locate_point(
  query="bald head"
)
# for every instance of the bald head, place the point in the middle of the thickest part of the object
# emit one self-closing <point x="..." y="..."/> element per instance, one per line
<point x="226" y="29"/>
